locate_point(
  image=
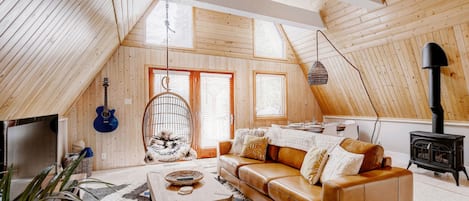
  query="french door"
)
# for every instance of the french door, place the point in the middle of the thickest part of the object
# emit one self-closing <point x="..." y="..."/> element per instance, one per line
<point x="210" y="95"/>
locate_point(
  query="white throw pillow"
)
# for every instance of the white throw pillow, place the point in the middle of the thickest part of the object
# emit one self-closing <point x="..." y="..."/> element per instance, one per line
<point x="313" y="164"/>
<point x="237" y="145"/>
<point x="341" y="163"/>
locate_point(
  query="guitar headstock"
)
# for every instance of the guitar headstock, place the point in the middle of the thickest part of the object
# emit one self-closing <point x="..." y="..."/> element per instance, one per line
<point x="106" y="82"/>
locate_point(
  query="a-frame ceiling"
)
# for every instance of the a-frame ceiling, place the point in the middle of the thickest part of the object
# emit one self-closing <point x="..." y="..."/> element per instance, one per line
<point x="51" y="50"/>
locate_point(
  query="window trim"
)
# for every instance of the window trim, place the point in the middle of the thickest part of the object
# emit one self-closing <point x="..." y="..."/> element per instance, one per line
<point x="169" y="45"/>
<point x="278" y="118"/>
<point x="282" y="37"/>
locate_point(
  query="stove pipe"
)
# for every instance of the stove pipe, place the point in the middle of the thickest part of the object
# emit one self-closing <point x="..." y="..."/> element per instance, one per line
<point x="433" y="57"/>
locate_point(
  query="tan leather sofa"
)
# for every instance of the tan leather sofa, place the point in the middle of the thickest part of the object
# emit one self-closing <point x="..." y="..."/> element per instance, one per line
<point x="278" y="178"/>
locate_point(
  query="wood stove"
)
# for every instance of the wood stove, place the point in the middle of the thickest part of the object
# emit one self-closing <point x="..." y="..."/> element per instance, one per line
<point x="438" y="152"/>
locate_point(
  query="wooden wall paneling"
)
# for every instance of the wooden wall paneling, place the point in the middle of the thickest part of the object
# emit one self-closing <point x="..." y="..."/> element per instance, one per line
<point x="462" y="36"/>
<point x="127" y="71"/>
<point x="215" y="33"/>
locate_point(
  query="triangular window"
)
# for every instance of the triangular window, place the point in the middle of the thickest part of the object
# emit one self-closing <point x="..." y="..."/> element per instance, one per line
<point x="267" y="40"/>
<point x="180" y="20"/>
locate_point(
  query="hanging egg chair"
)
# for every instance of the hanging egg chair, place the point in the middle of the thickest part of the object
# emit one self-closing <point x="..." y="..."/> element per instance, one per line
<point x="167" y="125"/>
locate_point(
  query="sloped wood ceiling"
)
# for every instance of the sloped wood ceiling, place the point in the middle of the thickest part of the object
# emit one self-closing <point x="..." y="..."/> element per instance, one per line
<point x="385" y="44"/>
<point x="51" y="50"/>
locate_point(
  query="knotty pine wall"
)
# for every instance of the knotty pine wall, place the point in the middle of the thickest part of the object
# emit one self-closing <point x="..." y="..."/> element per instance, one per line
<point x="385" y="44"/>
<point x="127" y="70"/>
<point x="51" y="50"/>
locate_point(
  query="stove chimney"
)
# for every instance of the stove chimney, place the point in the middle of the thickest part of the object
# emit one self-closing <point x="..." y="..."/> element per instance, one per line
<point x="433" y="57"/>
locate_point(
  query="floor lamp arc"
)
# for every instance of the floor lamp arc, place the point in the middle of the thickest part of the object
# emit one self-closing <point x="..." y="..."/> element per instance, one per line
<point x="318" y="75"/>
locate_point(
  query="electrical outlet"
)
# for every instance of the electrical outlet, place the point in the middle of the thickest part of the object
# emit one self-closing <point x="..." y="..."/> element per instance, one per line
<point x="103" y="156"/>
<point x="128" y="101"/>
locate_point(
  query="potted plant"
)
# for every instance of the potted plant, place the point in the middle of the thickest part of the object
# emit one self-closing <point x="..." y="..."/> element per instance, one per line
<point x="42" y="187"/>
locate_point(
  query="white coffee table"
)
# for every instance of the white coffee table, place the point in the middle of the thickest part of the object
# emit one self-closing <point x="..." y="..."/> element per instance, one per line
<point x="206" y="189"/>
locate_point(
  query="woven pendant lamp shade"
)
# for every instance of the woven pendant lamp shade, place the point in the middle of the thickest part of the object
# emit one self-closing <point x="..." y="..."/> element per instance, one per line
<point x="317" y="74"/>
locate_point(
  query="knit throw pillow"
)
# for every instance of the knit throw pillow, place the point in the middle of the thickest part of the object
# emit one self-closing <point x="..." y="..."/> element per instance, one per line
<point x="341" y="163"/>
<point x="239" y="138"/>
<point x="254" y="147"/>
<point x="313" y="164"/>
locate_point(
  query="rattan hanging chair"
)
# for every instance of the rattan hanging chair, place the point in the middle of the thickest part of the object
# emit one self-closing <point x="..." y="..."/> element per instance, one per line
<point x="167" y="111"/>
<point x="167" y="125"/>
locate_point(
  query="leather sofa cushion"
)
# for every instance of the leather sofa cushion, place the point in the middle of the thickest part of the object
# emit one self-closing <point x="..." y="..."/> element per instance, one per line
<point x="291" y="157"/>
<point x="272" y="152"/>
<point x="259" y="175"/>
<point x="231" y="163"/>
<point x="373" y="153"/>
<point x="294" y="188"/>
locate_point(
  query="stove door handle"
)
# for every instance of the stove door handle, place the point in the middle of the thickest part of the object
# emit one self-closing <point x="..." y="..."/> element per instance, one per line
<point x="429" y="144"/>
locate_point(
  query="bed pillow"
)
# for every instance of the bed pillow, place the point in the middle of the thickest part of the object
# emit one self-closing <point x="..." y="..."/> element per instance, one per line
<point x="313" y="164"/>
<point x="341" y="163"/>
<point x="239" y="138"/>
<point x="254" y="147"/>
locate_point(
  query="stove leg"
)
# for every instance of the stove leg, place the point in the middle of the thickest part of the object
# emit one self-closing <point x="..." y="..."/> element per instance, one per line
<point x="410" y="163"/>
<point x="464" y="170"/>
<point x="456" y="177"/>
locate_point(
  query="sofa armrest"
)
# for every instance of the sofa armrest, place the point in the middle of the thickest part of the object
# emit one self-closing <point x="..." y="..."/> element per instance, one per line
<point x="387" y="162"/>
<point x="384" y="184"/>
<point x="223" y="147"/>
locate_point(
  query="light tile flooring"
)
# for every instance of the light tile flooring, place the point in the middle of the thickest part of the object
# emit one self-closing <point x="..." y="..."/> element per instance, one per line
<point x="427" y="186"/>
<point x="431" y="187"/>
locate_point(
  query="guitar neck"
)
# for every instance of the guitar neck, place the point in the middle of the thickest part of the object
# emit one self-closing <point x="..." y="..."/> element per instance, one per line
<point x="105" y="100"/>
<point x="106" y="84"/>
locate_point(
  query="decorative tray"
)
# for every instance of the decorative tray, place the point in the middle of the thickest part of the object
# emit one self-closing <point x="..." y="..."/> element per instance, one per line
<point x="184" y="177"/>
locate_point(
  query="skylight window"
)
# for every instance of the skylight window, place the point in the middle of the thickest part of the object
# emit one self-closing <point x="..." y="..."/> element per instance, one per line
<point x="180" y="20"/>
<point x="267" y="40"/>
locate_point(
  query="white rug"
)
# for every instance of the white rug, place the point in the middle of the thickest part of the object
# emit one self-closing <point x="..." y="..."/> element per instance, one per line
<point x="131" y="182"/>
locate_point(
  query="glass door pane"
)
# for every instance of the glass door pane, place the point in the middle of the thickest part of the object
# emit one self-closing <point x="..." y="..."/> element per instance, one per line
<point x="215" y="108"/>
<point x="178" y="83"/>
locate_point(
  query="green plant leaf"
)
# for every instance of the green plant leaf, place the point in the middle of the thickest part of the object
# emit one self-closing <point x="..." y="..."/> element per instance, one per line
<point x="68" y="171"/>
<point x="5" y="184"/>
<point x="62" y="195"/>
<point x="34" y="187"/>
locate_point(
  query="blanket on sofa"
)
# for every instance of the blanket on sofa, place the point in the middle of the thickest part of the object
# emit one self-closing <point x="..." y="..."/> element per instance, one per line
<point x="302" y="140"/>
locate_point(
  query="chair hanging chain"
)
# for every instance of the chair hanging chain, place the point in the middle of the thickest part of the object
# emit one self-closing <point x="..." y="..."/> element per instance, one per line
<point x="165" y="79"/>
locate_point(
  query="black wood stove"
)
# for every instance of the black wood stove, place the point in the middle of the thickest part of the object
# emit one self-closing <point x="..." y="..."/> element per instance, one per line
<point x="436" y="150"/>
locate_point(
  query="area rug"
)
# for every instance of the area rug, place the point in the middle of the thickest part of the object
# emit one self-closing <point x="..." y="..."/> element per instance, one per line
<point x="137" y="190"/>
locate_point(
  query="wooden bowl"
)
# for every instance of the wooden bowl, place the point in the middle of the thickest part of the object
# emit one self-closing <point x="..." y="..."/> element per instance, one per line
<point x="184" y="177"/>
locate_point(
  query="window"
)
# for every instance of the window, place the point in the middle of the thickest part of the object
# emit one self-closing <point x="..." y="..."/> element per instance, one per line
<point x="180" y="20"/>
<point x="267" y="40"/>
<point x="178" y="83"/>
<point x="270" y="94"/>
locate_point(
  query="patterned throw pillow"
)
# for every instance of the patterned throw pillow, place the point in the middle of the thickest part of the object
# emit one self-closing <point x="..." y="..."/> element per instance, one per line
<point x="239" y="138"/>
<point x="341" y="163"/>
<point x="313" y="164"/>
<point x="254" y="147"/>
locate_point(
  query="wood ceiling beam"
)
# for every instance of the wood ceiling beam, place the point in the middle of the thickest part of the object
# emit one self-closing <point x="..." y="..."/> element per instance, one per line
<point x="265" y="10"/>
<point x="367" y="4"/>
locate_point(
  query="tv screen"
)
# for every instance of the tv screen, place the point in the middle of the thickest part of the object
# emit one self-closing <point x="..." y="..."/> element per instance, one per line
<point x="29" y="145"/>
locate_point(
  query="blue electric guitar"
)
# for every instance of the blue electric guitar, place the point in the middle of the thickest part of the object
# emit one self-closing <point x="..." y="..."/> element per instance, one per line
<point x="105" y="121"/>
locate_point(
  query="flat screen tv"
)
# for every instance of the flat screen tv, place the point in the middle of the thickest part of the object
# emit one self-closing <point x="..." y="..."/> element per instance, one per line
<point x="30" y="145"/>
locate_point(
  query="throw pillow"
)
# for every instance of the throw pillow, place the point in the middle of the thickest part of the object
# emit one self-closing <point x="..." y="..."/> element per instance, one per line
<point x="313" y="164"/>
<point x="341" y="163"/>
<point x="239" y="138"/>
<point x="254" y="147"/>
